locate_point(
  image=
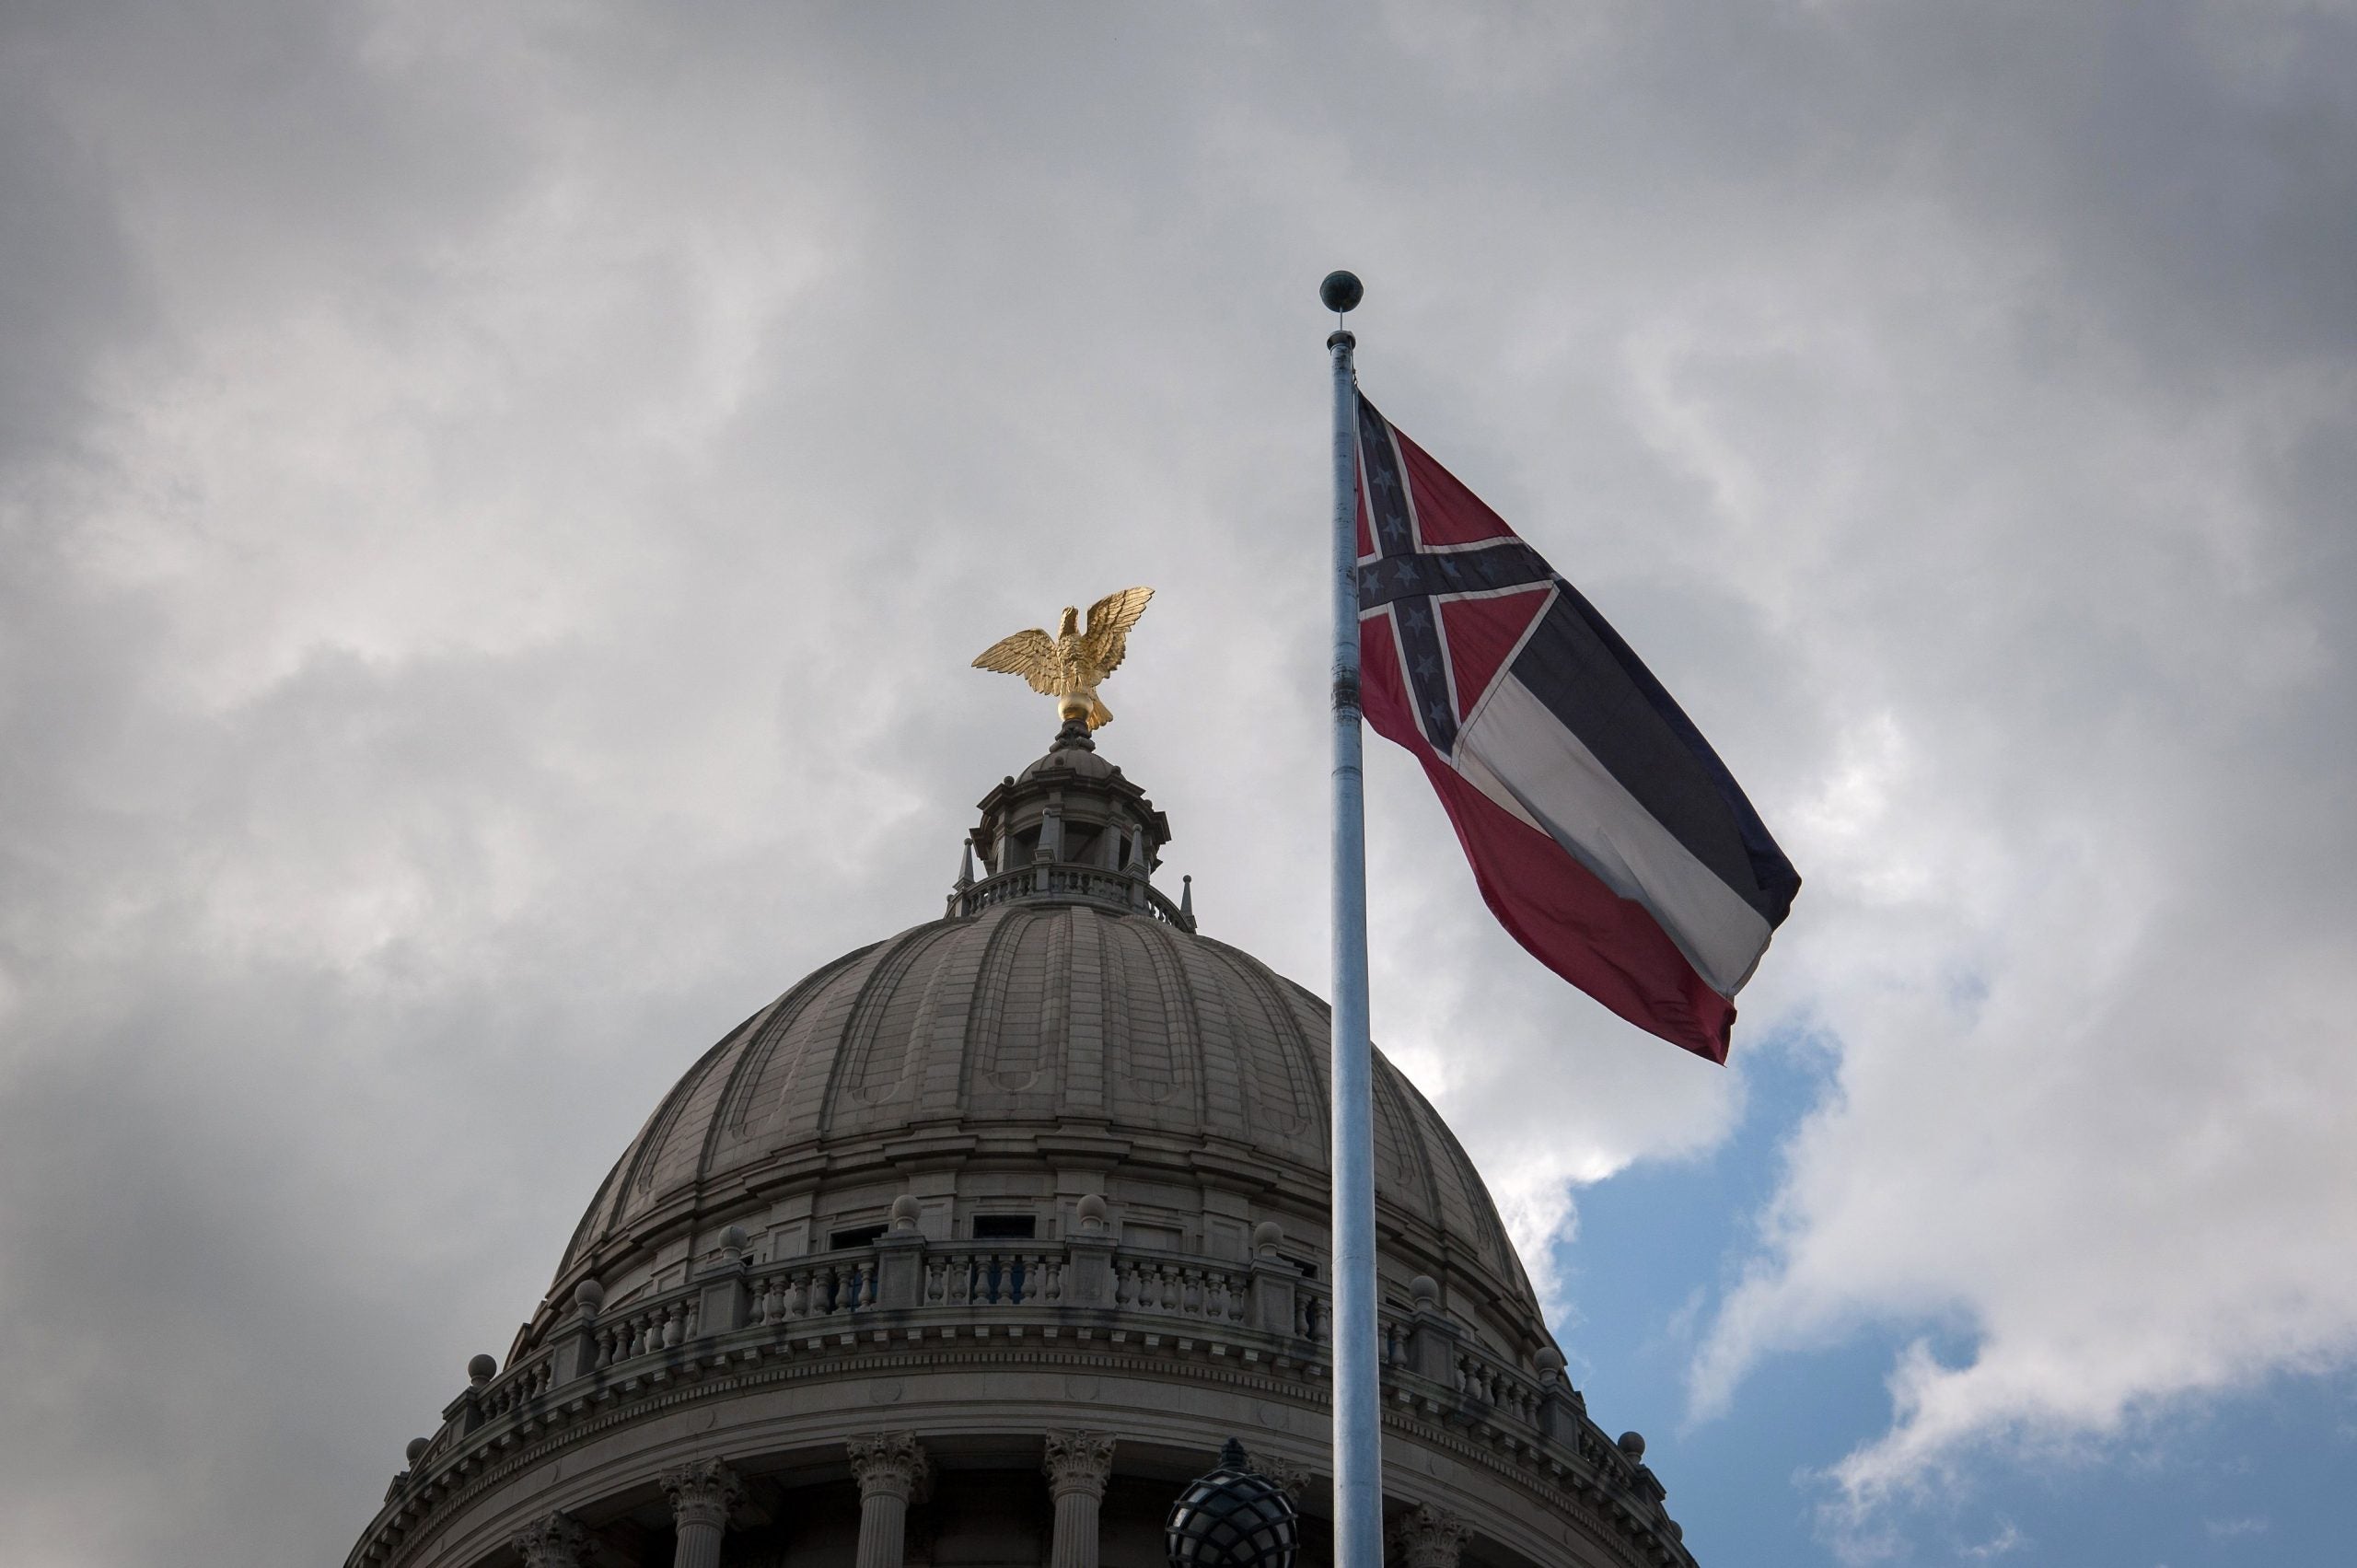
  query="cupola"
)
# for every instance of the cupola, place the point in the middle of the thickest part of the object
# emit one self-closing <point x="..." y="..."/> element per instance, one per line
<point x="1069" y="827"/>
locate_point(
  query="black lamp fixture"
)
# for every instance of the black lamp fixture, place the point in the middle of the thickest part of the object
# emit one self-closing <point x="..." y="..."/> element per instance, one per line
<point x="1233" y="1518"/>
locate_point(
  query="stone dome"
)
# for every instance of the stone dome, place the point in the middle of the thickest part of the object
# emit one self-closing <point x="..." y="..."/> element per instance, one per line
<point x="975" y="1244"/>
<point x="1048" y="1035"/>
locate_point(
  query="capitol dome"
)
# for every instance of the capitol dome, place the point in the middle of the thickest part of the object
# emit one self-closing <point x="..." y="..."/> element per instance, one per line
<point x="1039" y="1186"/>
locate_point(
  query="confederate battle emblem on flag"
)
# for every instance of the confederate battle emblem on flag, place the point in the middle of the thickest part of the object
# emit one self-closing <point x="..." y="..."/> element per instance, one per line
<point x="1605" y="833"/>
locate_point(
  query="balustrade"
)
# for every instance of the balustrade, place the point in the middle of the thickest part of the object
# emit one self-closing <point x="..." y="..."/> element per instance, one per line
<point x="1056" y="880"/>
<point x="1181" y="1287"/>
<point x="993" y="1276"/>
<point x="1485" y="1379"/>
<point x="510" y="1390"/>
<point x="1205" y="1298"/>
<point x="966" y="1277"/>
<point x="825" y="1287"/>
<point x="658" y="1325"/>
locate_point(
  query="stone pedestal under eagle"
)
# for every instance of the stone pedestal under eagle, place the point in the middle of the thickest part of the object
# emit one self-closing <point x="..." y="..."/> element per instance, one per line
<point x="1068" y="666"/>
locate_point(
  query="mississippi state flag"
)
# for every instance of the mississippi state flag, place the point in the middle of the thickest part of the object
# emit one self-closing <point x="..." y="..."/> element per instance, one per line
<point x="1605" y="833"/>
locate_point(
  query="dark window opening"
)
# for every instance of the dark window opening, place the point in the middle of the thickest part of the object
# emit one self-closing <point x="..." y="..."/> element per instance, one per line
<point x="858" y="1236"/>
<point x="1005" y="1227"/>
<point x="1308" y="1270"/>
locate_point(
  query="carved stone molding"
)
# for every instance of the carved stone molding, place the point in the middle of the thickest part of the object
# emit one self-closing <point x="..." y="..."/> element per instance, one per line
<point x="557" y="1542"/>
<point x="1078" y="1461"/>
<point x="891" y="1464"/>
<point x="1427" y="1537"/>
<point x="1571" y="1476"/>
<point x="705" y="1492"/>
<point x="1292" y="1478"/>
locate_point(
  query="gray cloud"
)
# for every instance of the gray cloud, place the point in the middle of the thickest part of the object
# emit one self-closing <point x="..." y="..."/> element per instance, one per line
<point x="497" y="506"/>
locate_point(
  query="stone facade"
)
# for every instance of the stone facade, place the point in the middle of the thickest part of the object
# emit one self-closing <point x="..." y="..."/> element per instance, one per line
<point x="975" y="1245"/>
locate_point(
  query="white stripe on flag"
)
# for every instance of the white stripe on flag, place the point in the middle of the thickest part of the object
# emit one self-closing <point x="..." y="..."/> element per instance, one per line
<point x="1520" y="754"/>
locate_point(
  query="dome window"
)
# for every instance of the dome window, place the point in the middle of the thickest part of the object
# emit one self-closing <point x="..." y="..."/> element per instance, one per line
<point x="1005" y="1227"/>
<point x="857" y="1236"/>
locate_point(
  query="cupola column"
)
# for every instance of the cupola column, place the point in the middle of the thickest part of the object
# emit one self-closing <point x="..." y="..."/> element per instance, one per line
<point x="892" y="1469"/>
<point x="1078" y="1466"/>
<point x="702" y="1495"/>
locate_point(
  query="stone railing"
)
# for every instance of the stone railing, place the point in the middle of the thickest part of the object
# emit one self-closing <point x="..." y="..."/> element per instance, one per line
<point x="734" y="1314"/>
<point x="1116" y="890"/>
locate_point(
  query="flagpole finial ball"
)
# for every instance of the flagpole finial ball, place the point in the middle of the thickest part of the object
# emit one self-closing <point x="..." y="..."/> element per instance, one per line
<point x="1341" y="292"/>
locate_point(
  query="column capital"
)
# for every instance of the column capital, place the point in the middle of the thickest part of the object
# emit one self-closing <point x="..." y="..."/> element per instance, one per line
<point x="703" y="1492"/>
<point x="1078" y="1461"/>
<point x="1291" y="1477"/>
<point x="556" y="1541"/>
<point x="1430" y="1537"/>
<point x="888" y="1464"/>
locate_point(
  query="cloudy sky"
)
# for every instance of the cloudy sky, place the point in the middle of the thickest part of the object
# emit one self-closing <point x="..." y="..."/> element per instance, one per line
<point x="496" y="503"/>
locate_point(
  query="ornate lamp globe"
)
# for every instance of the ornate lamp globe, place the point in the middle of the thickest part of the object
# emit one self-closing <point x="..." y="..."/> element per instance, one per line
<point x="1233" y="1518"/>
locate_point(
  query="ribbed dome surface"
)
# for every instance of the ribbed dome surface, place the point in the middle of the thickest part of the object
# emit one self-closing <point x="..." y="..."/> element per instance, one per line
<point x="1046" y="1018"/>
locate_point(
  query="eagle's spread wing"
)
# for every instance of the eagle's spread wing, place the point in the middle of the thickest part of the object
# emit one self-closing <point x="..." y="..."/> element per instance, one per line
<point x="1109" y="619"/>
<point x="1031" y="655"/>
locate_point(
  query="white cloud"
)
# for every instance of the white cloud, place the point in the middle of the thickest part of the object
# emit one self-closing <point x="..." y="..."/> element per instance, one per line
<point x="2007" y="1539"/>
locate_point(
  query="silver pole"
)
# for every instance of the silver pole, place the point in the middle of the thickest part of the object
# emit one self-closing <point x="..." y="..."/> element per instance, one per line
<point x="1358" y="1433"/>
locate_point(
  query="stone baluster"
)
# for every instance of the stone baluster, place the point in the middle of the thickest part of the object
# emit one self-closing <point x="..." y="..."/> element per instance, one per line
<point x="892" y="1469"/>
<point x="1427" y="1537"/>
<point x="1078" y="1465"/>
<point x="556" y="1541"/>
<point x="702" y="1496"/>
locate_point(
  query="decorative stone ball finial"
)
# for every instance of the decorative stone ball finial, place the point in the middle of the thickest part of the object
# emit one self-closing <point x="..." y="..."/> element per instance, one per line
<point x="1341" y="292"/>
<point x="481" y="1370"/>
<point x="415" y="1451"/>
<point x="1266" y="1237"/>
<point x="1633" y="1445"/>
<point x="1426" y="1290"/>
<point x="1549" y="1362"/>
<point x="1090" y="1210"/>
<point x="735" y="1240"/>
<point x="904" y="1214"/>
<point x="589" y="1298"/>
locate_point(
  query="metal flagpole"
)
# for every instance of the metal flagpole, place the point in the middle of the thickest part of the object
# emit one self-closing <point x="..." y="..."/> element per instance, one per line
<point x="1358" y="1434"/>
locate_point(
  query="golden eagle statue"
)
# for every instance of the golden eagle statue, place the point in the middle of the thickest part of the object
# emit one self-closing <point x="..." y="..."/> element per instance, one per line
<point x="1068" y="666"/>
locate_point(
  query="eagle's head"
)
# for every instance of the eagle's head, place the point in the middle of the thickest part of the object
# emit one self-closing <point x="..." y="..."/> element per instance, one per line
<point x="1070" y="624"/>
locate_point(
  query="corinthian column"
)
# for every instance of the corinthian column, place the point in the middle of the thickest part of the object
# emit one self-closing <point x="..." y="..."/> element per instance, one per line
<point x="556" y="1541"/>
<point x="702" y="1496"/>
<point x="1078" y="1465"/>
<point x="1430" y="1538"/>
<point x="891" y="1468"/>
